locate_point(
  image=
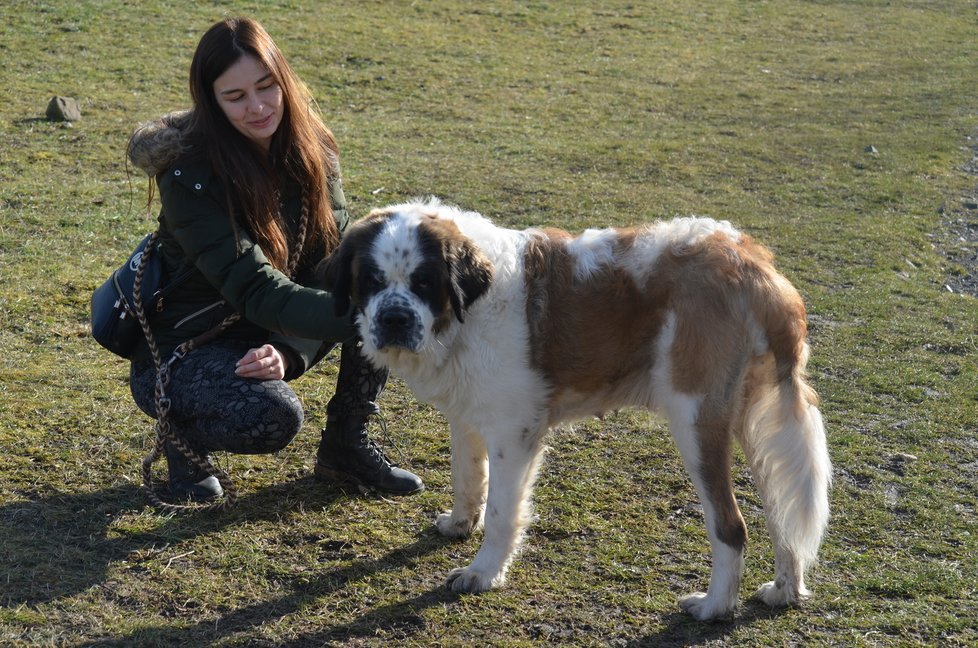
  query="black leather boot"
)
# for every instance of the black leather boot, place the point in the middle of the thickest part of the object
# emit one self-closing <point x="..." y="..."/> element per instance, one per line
<point x="189" y="481"/>
<point x="346" y="454"/>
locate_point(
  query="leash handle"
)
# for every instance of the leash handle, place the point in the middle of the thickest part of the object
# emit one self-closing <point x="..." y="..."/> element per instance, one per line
<point x="162" y="427"/>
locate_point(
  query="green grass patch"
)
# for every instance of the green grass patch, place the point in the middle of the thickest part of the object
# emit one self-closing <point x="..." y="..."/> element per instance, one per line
<point x="570" y="114"/>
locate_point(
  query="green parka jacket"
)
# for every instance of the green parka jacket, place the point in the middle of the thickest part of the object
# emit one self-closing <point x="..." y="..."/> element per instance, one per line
<point x="230" y="271"/>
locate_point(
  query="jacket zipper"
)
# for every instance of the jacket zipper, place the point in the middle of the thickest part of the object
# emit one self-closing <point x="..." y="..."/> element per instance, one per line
<point x="198" y="313"/>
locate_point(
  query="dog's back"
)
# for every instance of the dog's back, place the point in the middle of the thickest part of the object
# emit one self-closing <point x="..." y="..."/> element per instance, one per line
<point x="596" y="306"/>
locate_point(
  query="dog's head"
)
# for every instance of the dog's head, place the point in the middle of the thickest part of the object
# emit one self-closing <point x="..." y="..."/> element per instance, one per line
<point x="408" y="272"/>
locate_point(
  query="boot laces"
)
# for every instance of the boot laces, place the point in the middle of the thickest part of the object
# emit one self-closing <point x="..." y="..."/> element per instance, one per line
<point x="371" y="411"/>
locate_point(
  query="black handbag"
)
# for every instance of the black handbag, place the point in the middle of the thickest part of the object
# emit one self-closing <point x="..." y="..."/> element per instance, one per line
<point x="114" y="322"/>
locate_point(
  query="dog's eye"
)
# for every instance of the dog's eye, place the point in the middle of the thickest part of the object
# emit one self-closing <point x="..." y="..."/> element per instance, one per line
<point x="423" y="284"/>
<point x="373" y="281"/>
<point x="427" y="283"/>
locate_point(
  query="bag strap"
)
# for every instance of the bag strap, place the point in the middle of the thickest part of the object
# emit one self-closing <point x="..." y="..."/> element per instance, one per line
<point x="164" y="433"/>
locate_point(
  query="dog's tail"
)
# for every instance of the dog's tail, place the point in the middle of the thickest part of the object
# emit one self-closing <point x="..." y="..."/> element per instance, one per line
<point x="784" y="437"/>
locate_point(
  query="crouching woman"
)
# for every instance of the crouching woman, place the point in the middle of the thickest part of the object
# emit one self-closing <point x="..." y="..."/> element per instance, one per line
<point x="252" y="200"/>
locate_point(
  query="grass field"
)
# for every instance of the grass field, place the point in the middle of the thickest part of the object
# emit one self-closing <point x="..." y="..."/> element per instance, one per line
<point x="835" y="132"/>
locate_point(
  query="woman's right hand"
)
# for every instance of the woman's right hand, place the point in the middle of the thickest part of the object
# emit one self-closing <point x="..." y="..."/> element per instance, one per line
<point x="264" y="363"/>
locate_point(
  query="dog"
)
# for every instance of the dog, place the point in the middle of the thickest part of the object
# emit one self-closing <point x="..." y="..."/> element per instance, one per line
<point x="510" y="333"/>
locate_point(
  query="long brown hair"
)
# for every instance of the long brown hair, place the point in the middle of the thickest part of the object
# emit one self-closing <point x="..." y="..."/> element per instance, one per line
<point x="302" y="148"/>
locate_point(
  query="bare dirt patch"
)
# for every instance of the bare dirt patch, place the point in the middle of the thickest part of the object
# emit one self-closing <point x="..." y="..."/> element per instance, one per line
<point x="958" y="239"/>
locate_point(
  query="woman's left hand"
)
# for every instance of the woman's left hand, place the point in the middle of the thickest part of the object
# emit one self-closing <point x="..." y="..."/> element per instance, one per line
<point x="263" y="363"/>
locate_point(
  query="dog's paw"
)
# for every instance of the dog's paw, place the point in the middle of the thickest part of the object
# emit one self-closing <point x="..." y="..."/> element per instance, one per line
<point x="777" y="594"/>
<point x="467" y="579"/>
<point x="451" y="527"/>
<point x="702" y="608"/>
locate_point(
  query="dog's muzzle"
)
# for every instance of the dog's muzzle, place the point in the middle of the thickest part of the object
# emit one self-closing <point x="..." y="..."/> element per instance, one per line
<point x="397" y="325"/>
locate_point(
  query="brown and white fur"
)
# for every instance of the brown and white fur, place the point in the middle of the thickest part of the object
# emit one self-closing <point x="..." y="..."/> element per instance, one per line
<point x="510" y="333"/>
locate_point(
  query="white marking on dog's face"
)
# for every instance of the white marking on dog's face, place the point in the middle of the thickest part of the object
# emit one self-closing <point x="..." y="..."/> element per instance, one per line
<point x="394" y="314"/>
<point x="396" y="250"/>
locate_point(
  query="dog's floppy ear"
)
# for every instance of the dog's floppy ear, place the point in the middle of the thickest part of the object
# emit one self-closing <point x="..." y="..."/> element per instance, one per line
<point x="335" y="276"/>
<point x="470" y="274"/>
<point x="336" y="272"/>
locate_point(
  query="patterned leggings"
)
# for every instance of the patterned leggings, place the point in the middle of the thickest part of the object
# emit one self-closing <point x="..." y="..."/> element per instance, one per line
<point x="213" y="409"/>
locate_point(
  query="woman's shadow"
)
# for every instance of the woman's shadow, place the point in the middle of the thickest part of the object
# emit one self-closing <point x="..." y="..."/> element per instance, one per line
<point x="58" y="544"/>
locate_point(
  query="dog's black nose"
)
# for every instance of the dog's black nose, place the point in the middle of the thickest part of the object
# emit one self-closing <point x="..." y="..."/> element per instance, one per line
<point x="396" y="318"/>
<point x="397" y="326"/>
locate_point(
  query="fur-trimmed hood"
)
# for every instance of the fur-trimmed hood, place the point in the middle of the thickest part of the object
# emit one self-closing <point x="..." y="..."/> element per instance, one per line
<point x="157" y="144"/>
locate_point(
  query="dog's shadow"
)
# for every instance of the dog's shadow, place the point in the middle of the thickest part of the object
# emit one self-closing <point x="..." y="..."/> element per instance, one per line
<point x="680" y="629"/>
<point x="57" y="545"/>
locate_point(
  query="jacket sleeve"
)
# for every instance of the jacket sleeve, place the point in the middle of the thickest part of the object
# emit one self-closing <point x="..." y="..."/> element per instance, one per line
<point x="300" y="353"/>
<point x="237" y="267"/>
<point x="303" y="353"/>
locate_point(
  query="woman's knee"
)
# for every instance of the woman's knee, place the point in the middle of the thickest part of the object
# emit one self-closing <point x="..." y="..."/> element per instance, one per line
<point x="266" y="419"/>
<point x="283" y="421"/>
<point x="142" y="386"/>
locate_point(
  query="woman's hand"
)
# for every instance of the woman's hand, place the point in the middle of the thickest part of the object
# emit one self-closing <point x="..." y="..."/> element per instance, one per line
<point x="263" y="363"/>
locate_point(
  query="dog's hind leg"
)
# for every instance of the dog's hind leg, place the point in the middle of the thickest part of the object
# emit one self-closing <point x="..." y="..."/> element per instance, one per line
<point x="702" y="432"/>
<point x="469" y="482"/>
<point x="513" y="464"/>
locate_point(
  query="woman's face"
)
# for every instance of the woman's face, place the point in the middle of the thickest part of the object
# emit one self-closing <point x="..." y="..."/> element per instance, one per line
<point x="251" y="98"/>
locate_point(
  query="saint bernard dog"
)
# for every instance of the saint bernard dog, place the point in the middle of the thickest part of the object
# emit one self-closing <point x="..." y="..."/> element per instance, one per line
<point x="510" y="333"/>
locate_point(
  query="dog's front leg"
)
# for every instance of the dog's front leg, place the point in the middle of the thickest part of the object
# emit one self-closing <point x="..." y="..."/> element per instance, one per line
<point x="469" y="480"/>
<point x="513" y="464"/>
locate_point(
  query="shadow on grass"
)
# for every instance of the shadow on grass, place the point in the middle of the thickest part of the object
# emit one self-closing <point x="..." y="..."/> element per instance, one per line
<point x="58" y="544"/>
<point x="680" y="629"/>
<point x="402" y="619"/>
<point x="30" y="121"/>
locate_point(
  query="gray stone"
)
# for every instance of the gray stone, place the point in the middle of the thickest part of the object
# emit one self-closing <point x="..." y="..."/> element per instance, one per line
<point x="63" y="109"/>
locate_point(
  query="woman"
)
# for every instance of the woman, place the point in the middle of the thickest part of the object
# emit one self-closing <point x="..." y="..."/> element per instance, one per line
<point x="251" y="200"/>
